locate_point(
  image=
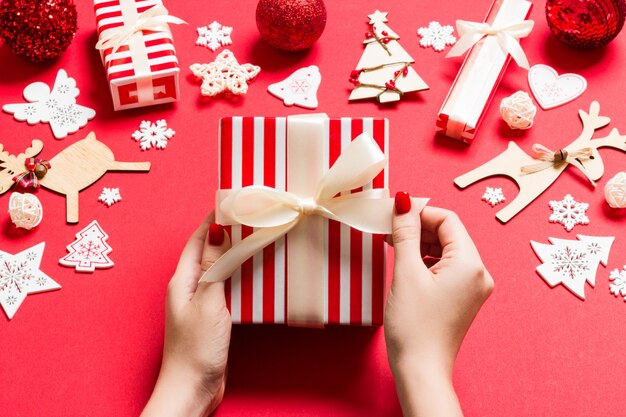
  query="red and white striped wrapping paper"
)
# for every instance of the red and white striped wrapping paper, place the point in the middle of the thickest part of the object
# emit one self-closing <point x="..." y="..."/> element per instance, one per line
<point x="253" y="152"/>
<point x="477" y="80"/>
<point x="130" y="87"/>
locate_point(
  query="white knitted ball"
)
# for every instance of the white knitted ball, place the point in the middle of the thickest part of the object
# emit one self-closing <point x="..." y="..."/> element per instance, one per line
<point x="518" y="110"/>
<point x="25" y="210"/>
<point x="615" y="191"/>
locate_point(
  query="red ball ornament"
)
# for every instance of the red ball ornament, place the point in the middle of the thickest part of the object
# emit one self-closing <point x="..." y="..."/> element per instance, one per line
<point x="585" y="23"/>
<point x="291" y="25"/>
<point x="37" y="30"/>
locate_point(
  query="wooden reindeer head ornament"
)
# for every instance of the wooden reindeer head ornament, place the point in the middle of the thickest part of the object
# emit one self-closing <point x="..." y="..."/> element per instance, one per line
<point x="75" y="168"/>
<point x="534" y="175"/>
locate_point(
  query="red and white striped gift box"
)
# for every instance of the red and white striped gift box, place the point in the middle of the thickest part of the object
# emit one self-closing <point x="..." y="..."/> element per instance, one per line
<point x="145" y="71"/>
<point x="477" y="80"/>
<point x="253" y="151"/>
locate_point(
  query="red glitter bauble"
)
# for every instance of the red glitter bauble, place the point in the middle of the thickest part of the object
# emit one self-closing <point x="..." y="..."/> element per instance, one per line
<point x="291" y="25"/>
<point x="37" y="30"/>
<point x="585" y="23"/>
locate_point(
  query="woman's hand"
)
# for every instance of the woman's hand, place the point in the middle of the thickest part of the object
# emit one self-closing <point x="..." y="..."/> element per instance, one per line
<point x="430" y="309"/>
<point x="197" y="332"/>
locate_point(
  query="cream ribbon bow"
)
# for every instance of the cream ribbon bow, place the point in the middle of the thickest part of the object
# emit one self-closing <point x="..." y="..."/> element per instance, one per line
<point x="155" y="18"/>
<point x="276" y="212"/>
<point x="507" y="37"/>
<point x="550" y="158"/>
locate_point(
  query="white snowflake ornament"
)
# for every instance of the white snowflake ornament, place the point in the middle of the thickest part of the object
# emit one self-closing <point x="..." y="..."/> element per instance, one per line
<point x="300" y="88"/>
<point x="572" y="262"/>
<point x="110" y="196"/>
<point x="214" y="36"/>
<point x="89" y="251"/>
<point x="153" y="134"/>
<point x="493" y="196"/>
<point x="20" y="276"/>
<point x="57" y="107"/>
<point x="618" y="286"/>
<point x="436" y="36"/>
<point x="568" y="212"/>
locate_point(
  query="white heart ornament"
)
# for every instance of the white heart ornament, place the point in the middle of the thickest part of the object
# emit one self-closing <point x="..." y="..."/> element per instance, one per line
<point x="300" y="88"/>
<point x="551" y="89"/>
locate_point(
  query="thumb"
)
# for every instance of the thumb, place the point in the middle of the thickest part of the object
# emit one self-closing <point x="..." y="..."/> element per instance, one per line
<point x="406" y="232"/>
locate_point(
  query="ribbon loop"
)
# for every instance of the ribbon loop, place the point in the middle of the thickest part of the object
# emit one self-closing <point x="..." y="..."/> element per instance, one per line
<point x="35" y="170"/>
<point x="507" y="36"/>
<point x="155" y="18"/>
<point x="550" y="158"/>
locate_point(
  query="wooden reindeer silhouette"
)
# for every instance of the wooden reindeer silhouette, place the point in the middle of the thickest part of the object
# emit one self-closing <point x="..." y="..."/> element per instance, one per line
<point x="513" y="162"/>
<point x="75" y="168"/>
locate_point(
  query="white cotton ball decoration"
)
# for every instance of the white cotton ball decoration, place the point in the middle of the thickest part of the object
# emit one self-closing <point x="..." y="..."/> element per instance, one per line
<point x="615" y="191"/>
<point x="518" y="110"/>
<point x="25" y="210"/>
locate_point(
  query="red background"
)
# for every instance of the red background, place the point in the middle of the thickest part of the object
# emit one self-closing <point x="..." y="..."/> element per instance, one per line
<point x="93" y="348"/>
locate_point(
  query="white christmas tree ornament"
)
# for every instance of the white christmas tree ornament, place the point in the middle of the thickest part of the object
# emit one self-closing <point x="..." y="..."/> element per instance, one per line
<point x="436" y="36"/>
<point x="110" y="196"/>
<point x="57" y="107"/>
<point x="300" y="88"/>
<point x="89" y="251"/>
<point x="384" y="71"/>
<point x="214" y="35"/>
<point x="568" y="212"/>
<point x="572" y="262"/>
<point x="153" y="134"/>
<point x="20" y="276"/>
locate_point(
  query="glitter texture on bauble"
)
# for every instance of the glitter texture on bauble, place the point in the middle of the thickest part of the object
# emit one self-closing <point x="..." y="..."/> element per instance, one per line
<point x="291" y="25"/>
<point x="37" y="30"/>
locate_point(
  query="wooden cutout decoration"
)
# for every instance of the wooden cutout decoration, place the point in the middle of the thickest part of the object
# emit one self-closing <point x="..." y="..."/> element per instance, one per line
<point x="572" y="262"/>
<point x="384" y="71"/>
<point x="300" y="88"/>
<point x="57" y="106"/>
<point x="551" y="89"/>
<point x="20" y="275"/>
<point x="510" y="163"/>
<point x="75" y="168"/>
<point x="89" y="251"/>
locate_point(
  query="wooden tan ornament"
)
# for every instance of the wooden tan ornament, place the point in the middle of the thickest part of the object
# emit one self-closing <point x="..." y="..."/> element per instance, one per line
<point x="533" y="176"/>
<point x="384" y="71"/>
<point x="75" y="168"/>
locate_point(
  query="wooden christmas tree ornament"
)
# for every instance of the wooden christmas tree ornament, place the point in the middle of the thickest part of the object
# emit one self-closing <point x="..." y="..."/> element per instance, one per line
<point x="534" y="175"/>
<point x="75" y="168"/>
<point x="384" y="71"/>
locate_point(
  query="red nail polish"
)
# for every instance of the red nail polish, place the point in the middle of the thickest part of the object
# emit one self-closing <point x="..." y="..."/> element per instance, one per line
<point x="403" y="202"/>
<point x="216" y="234"/>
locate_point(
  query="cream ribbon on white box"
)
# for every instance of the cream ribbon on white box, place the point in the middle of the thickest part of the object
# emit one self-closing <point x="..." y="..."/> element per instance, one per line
<point x="155" y="18"/>
<point x="507" y="36"/>
<point x="313" y="194"/>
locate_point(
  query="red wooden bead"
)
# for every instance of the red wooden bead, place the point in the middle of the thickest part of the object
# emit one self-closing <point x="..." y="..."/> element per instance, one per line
<point x="384" y="32"/>
<point x="391" y="85"/>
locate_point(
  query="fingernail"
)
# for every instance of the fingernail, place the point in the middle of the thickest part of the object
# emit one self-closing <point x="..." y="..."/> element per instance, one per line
<point x="216" y="234"/>
<point x="403" y="202"/>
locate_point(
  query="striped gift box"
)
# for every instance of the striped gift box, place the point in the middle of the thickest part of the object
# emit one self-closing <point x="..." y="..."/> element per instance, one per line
<point x="253" y="151"/>
<point x="145" y="71"/>
<point x="476" y="83"/>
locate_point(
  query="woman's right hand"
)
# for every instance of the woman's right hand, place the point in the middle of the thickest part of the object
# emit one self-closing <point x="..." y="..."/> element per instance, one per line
<point x="430" y="309"/>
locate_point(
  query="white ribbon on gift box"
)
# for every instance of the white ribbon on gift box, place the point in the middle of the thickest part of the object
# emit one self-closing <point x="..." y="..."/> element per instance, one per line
<point x="507" y="36"/>
<point x="155" y="19"/>
<point x="312" y="196"/>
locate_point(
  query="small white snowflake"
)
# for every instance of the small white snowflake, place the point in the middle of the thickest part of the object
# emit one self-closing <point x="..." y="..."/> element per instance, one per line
<point x="214" y="36"/>
<point x="110" y="196"/>
<point x="568" y="212"/>
<point x="493" y="196"/>
<point x="618" y="286"/>
<point x="436" y="36"/>
<point x="153" y="134"/>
